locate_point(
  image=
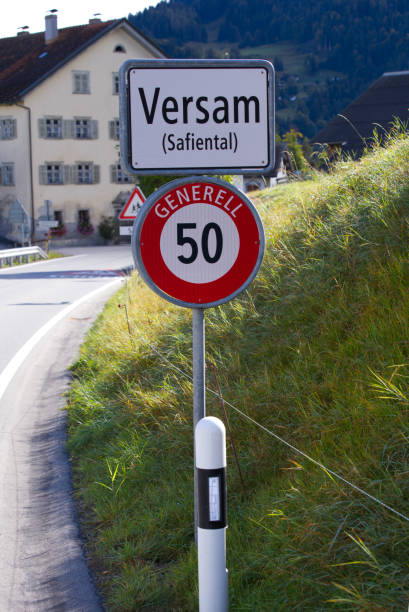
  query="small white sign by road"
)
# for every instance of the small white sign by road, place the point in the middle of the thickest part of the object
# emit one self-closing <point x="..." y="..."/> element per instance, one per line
<point x="197" y="116"/>
<point x="46" y="225"/>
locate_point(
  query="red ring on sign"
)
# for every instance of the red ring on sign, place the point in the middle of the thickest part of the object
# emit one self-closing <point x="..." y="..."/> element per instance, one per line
<point x="164" y="278"/>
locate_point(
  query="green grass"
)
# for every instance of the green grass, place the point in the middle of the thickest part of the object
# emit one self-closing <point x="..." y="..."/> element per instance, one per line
<point x="289" y="53"/>
<point x="317" y="351"/>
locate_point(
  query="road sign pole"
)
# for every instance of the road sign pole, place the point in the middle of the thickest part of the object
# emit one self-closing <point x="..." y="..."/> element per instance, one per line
<point x="199" y="405"/>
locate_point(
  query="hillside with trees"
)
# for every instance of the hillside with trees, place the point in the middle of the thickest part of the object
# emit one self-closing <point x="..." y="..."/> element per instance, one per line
<point x="325" y="53"/>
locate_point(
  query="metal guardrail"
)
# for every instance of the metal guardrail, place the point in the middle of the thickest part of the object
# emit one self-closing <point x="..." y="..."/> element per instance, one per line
<point x="10" y="256"/>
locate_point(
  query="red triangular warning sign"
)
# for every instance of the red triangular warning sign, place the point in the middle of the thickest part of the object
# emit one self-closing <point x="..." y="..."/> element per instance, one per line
<point x="130" y="210"/>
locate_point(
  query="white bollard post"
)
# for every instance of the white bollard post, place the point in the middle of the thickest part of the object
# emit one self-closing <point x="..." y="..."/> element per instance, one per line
<point x="210" y="445"/>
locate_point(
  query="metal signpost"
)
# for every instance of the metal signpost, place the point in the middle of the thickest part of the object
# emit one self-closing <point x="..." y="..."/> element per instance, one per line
<point x="198" y="241"/>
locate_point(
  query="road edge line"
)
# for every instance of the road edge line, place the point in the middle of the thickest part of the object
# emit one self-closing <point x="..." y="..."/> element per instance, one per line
<point x="15" y="362"/>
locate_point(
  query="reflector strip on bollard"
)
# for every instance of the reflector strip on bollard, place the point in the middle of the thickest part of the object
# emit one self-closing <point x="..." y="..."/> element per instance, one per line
<point x="212" y="498"/>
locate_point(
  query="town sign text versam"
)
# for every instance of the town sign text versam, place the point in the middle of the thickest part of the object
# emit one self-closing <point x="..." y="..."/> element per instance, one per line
<point x="202" y="116"/>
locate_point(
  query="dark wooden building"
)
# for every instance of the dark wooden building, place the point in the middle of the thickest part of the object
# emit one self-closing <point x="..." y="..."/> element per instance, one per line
<point x="353" y="128"/>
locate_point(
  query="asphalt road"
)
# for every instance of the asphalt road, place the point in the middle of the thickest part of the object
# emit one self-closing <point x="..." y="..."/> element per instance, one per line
<point x="45" y="310"/>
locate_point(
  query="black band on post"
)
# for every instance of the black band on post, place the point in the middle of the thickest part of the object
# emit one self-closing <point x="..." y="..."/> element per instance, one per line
<point x="212" y="496"/>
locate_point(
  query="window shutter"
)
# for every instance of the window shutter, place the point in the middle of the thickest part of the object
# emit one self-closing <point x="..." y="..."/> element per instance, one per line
<point x="14" y="128"/>
<point x="111" y="129"/>
<point x="41" y="128"/>
<point x="67" y="174"/>
<point x="68" y="128"/>
<point x="113" y="173"/>
<point x="86" y="82"/>
<point x="74" y="174"/>
<point x="43" y="175"/>
<point x="76" y="82"/>
<point x="94" y="128"/>
<point x="96" y="174"/>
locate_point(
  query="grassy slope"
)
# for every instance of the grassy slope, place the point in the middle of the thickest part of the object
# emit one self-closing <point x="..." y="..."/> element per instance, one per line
<point x="316" y="351"/>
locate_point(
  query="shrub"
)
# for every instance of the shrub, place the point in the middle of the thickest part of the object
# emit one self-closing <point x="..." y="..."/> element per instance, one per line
<point x="109" y="228"/>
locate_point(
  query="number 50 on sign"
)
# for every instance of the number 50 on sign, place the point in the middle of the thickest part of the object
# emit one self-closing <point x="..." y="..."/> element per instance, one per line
<point x="198" y="243"/>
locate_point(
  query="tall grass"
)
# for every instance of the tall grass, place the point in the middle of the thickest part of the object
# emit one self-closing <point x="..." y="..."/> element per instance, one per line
<point x="317" y="351"/>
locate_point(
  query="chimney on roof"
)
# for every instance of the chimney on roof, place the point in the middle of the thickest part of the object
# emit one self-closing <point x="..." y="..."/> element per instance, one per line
<point x="95" y="19"/>
<point x="23" y="31"/>
<point x="51" y="30"/>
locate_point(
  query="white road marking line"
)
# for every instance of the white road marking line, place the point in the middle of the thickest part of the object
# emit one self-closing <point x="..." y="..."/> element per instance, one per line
<point x="15" y="362"/>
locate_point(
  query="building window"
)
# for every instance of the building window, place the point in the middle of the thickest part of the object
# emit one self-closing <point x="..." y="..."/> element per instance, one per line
<point x="8" y="128"/>
<point x="50" y="127"/>
<point x="118" y="175"/>
<point x="119" y="49"/>
<point x="7" y="174"/>
<point x="81" y="82"/>
<point x="53" y="128"/>
<point x="85" y="128"/>
<point x="59" y="230"/>
<point x="114" y="129"/>
<point x="86" y="173"/>
<point x="115" y="83"/>
<point x="82" y="128"/>
<point x="84" y="216"/>
<point x="85" y="226"/>
<point x="54" y="174"/>
<point x="59" y="217"/>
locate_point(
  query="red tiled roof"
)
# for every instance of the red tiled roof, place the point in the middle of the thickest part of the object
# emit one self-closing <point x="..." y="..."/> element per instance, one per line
<point x="26" y="60"/>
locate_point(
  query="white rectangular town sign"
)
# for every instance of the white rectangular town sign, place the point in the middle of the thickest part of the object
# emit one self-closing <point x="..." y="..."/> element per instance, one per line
<point x="197" y="116"/>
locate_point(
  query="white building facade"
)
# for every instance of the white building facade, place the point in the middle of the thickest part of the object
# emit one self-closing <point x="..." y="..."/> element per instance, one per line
<point x="59" y="135"/>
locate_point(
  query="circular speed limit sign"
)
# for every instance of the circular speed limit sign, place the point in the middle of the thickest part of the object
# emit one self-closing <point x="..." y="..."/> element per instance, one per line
<point x="198" y="243"/>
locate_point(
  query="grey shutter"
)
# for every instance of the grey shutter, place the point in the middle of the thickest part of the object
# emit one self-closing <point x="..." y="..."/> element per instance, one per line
<point x="114" y="173"/>
<point x="67" y="174"/>
<point x="43" y="175"/>
<point x="111" y="129"/>
<point x="41" y="128"/>
<point x="96" y="174"/>
<point x="14" y="128"/>
<point x="68" y="128"/>
<point x="86" y="82"/>
<point x="1" y="175"/>
<point x="74" y="174"/>
<point x="94" y="129"/>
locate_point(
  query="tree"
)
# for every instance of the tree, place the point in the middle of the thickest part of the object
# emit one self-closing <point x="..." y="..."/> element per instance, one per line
<point x="151" y="183"/>
<point x="278" y="64"/>
<point x="295" y="148"/>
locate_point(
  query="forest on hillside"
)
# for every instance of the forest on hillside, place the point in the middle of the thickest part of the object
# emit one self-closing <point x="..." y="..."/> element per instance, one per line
<point x="342" y="46"/>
